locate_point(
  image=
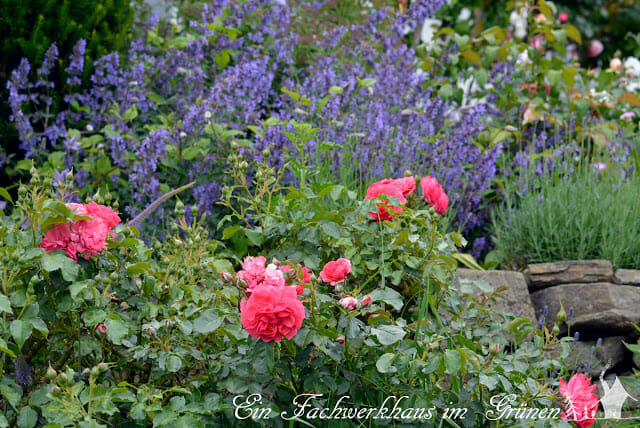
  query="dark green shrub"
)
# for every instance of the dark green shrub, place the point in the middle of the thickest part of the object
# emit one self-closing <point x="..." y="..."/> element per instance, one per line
<point x="29" y="27"/>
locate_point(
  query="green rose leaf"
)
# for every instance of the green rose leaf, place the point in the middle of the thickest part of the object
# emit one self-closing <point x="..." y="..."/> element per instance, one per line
<point x="116" y="330"/>
<point x="388" y="334"/>
<point x="384" y="363"/>
<point x="207" y="322"/>
<point x="20" y="331"/>
<point x="10" y="391"/>
<point x="55" y="261"/>
<point x="5" y="304"/>
<point x="388" y="296"/>
<point x="27" y="418"/>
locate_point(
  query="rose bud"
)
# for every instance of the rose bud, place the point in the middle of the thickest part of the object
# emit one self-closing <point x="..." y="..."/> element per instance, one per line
<point x="226" y="276"/>
<point x="340" y="339"/>
<point x="348" y="303"/>
<point x="366" y="301"/>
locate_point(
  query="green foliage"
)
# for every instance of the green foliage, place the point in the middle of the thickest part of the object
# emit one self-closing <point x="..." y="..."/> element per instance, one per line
<point x="580" y="216"/>
<point x="154" y="336"/>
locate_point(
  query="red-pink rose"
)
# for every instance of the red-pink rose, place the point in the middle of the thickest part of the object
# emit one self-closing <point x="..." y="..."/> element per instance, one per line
<point x="272" y="312"/>
<point x="92" y="235"/>
<point x="255" y="265"/>
<point x="59" y="237"/>
<point x="104" y="213"/>
<point x="563" y="17"/>
<point x="581" y="403"/>
<point x="376" y="190"/>
<point x="101" y="328"/>
<point x="406" y="184"/>
<point x="434" y="195"/>
<point x="335" y="272"/>
<point x="348" y="303"/>
<point x="366" y="301"/>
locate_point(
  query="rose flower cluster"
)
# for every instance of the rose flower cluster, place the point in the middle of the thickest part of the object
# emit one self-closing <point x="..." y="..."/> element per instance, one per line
<point x="87" y="237"/>
<point x="272" y="309"/>
<point x="401" y="188"/>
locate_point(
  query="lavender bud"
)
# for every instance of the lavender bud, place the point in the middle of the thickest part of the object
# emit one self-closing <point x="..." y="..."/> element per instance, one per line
<point x="545" y="311"/>
<point x="587" y="366"/>
<point x="570" y="313"/>
<point x="576" y="336"/>
<point x="599" y="342"/>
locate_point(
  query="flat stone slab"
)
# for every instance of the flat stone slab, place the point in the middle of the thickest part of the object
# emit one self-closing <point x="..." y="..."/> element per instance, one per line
<point x="543" y="275"/>
<point x="513" y="297"/>
<point x="599" y="309"/>
<point x="627" y="277"/>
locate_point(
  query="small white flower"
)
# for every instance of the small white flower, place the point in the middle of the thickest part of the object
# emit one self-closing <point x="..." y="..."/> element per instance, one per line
<point x="133" y="83"/>
<point x="465" y="14"/>
<point x="207" y="115"/>
<point x="183" y="134"/>
<point x="181" y="70"/>
<point x="89" y="128"/>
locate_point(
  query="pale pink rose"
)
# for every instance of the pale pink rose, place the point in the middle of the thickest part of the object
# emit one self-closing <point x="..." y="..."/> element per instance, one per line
<point x="255" y="265"/>
<point x="348" y="303"/>
<point x="271" y="313"/>
<point x="600" y="166"/>
<point x="627" y="116"/>
<point x="615" y="64"/>
<point x="541" y="18"/>
<point x="336" y="271"/>
<point x="595" y="48"/>
<point x="273" y="276"/>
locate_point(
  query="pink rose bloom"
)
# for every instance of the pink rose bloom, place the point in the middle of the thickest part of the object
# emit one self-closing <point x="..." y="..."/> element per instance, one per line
<point x="406" y="184"/>
<point x="104" y="213"/>
<point x="434" y="195"/>
<point x="59" y="237"/>
<point x="306" y="274"/>
<point x="101" y="328"/>
<point x="273" y="276"/>
<point x="581" y="403"/>
<point x="254" y="265"/>
<point x="595" y="48"/>
<point x="563" y="17"/>
<point x="92" y="235"/>
<point x="366" y="301"/>
<point x="376" y="190"/>
<point x="272" y="312"/>
<point x="627" y="115"/>
<point x="248" y="279"/>
<point x="335" y="272"/>
<point x="348" y="303"/>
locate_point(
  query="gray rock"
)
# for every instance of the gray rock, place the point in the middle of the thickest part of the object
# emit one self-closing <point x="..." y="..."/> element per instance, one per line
<point x="542" y="275"/>
<point x="598" y="309"/>
<point x="627" y="277"/>
<point x="512" y="292"/>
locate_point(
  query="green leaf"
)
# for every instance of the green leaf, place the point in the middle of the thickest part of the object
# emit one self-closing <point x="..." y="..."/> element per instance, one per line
<point x="254" y="237"/>
<point x="388" y="334"/>
<point x="573" y="33"/>
<point x="174" y="363"/>
<point x="230" y="231"/>
<point x="467" y="260"/>
<point x="554" y="76"/>
<point x="6" y="195"/>
<point x="432" y="364"/>
<point x="77" y="287"/>
<point x="452" y="361"/>
<point x="330" y="228"/>
<point x="482" y="77"/>
<point x="472" y="56"/>
<point x="384" y="363"/>
<point x="140" y="267"/>
<point x="5" y="348"/>
<point x="55" y="261"/>
<point x="116" y="330"/>
<point x="388" y="296"/>
<point x="5" y="304"/>
<point x="93" y="317"/>
<point x="27" y="418"/>
<point x="568" y="75"/>
<point x="207" y="322"/>
<point x="446" y="91"/>
<point x="10" y="391"/>
<point x="20" y="331"/>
